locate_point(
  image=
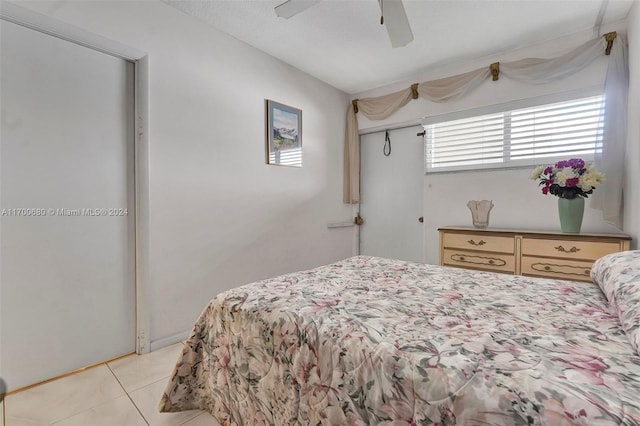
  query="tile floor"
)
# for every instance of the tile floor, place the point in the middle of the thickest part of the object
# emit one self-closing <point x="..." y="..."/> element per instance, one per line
<point x="125" y="392"/>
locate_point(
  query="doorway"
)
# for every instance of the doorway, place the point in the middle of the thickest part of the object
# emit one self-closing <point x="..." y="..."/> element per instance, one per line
<point x="67" y="196"/>
<point x="391" y="194"/>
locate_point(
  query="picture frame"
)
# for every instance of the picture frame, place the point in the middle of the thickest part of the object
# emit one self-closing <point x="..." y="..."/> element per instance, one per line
<point x="283" y="134"/>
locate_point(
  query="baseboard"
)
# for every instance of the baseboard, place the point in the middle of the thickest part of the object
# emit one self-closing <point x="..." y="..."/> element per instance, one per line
<point x="169" y="340"/>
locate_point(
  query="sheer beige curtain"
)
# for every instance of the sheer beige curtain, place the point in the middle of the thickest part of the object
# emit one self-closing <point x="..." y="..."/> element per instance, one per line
<point x="541" y="71"/>
<point x="351" y="177"/>
<point x="608" y="198"/>
<point x="445" y="89"/>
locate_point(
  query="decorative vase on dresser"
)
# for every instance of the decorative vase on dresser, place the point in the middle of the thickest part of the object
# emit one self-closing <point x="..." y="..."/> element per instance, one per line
<point x="571" y="212"/>
<point x="571" y="181"/>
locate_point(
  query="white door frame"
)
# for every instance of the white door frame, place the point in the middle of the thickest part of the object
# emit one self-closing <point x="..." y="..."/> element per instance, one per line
<point x="18" y="15"/>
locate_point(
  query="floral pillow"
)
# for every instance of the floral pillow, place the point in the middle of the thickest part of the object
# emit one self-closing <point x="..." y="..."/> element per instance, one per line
<point x="618" y="275"/>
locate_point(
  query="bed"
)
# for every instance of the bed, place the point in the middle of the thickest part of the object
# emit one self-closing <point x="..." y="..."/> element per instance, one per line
<point x="377" y="341"/>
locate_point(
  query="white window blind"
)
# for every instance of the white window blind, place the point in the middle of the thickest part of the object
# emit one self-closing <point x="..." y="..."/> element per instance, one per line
<point x="518" y="137"/>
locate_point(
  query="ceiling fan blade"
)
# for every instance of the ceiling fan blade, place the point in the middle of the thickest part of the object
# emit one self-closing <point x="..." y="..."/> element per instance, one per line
<point x="395" y="19"/>
<point x="292" y="7"/>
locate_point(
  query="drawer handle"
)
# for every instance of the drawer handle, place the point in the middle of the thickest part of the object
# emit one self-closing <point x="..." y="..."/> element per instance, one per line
<point x="560" y="269"/>
<point x="564" y="250"/>
<point x="479" y="243"/>
<point x="478" y="260"/>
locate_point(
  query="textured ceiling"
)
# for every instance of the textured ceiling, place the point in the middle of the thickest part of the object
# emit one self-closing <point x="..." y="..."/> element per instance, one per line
<point x="342" y="42"/>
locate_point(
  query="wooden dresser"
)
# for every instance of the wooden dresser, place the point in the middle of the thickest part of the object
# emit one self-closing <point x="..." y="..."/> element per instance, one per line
<point x="533" y="253"/>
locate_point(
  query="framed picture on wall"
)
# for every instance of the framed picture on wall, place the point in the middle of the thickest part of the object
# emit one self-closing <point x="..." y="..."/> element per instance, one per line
<point x="284" y="134"/>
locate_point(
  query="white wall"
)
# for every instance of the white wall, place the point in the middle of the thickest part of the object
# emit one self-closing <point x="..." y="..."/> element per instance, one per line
<point x="220" y="217"/>
<point x="632" y="169"/>
<point x="518" y="202"/>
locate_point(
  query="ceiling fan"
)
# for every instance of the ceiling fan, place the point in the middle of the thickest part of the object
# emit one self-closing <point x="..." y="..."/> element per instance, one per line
<point x="393" y="17"/>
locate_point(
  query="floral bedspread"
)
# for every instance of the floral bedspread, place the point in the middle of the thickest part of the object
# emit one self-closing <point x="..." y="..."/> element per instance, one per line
<point x="378" y="341"/>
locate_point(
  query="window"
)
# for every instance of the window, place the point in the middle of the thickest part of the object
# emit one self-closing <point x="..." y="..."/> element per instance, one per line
<point x="518" y="137"/>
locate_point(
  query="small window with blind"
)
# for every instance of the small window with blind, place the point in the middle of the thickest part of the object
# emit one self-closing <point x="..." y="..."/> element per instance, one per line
<point x="518" y="137"/>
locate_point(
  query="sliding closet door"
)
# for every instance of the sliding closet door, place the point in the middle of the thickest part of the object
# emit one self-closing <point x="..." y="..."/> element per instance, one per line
<point x="67" y="289"/>
<point x="391" y="195"/>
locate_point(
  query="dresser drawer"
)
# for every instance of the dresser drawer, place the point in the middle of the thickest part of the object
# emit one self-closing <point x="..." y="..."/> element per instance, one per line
<point x="477" y="260"/>
<point x="568" y="249"/>
<point x="557" y="268"/>
<point x="479" y="242"/>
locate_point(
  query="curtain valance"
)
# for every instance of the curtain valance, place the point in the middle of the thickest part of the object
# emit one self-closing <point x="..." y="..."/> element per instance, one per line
<point x="529" y="70"/>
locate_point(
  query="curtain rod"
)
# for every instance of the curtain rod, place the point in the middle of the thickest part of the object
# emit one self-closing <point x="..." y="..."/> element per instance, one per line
<point x="379" y="129"/>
